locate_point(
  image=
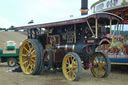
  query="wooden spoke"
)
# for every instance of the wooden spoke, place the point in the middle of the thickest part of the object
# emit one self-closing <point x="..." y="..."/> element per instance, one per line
<point x="27" y="68"/>
<point x="24" y="55"/>
<point x="32" y="52"/>
<point x="26" y="50"/>
<point x="95" y="61"/>
<point x="71" y="66"/>
<point x="25" y="62"/>
<point x="28" y="44"/>
<point x="98" y="57"/>
<point x="73" y="74"/>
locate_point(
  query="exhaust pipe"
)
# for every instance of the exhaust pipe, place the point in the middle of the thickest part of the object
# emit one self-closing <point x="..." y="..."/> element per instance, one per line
<point x="84" y="7"/>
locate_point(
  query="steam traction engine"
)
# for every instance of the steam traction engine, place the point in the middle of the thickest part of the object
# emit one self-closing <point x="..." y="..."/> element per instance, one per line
<point x="67" y="45"/>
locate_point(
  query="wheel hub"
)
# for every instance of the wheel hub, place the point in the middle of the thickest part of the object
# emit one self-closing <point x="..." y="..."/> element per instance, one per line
<point x="28" y="56"/>
<point x="11" y="62"/>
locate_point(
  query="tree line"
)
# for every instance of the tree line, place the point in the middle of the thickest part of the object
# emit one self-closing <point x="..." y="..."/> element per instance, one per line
<point x="6" y="29"/>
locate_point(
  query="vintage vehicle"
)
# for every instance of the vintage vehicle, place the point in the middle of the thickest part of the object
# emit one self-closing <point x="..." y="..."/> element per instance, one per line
<point x="11" y="56"/>
<point x="67" y="44"/>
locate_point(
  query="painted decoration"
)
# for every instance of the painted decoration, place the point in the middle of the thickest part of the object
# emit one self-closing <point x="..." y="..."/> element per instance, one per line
<point x="109" y="4"/>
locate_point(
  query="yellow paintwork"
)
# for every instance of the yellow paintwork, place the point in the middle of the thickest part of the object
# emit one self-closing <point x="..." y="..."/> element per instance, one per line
<point x="98" y="65"/>
<point x="70" y="67"/>
<point x="27" y="57"/>
<point x="119" y="63"/>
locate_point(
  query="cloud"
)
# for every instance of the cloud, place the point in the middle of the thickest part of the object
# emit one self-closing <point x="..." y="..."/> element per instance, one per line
<point x="18" y="13"/>
<point x="51" y="10"/>
<point x="5" y="23"/>
<point x="42" y="11"/>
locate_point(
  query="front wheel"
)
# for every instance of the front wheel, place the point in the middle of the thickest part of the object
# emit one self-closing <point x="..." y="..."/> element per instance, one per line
<point x="101" y="66"/>
<point x="72" y="66"/>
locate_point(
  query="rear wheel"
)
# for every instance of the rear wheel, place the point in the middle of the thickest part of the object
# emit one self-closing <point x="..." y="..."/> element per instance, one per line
<point x="101" y="66"/>
<point x="12" y="62"/>
<point x="42" y="58"/>
<point x="31" y="57"/>
<point x="72" y="66"/>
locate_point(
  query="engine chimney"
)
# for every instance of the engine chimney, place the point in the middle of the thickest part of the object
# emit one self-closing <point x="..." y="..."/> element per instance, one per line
<point x="84" y="7"/>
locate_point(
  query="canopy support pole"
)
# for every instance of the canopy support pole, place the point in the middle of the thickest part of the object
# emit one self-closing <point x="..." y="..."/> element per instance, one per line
<point x="110" y="28"/>
<point x="74" y="33"/>
<point x="90" y="28"/>
<point x="96" y="28"/>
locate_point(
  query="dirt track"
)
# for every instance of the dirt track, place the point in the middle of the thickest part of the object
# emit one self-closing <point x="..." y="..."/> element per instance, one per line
<point x="117" y="77"/>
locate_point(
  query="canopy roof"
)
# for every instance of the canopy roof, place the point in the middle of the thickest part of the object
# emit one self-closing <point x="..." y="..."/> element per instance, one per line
<point x="71" y="21"/>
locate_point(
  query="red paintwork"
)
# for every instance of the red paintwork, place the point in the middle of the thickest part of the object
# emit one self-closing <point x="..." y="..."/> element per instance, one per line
<point x="125" y="22"/>
<point x="122" y="13"/>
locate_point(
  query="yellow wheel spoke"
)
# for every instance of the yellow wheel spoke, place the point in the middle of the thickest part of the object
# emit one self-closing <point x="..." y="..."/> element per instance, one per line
<point x="73" y="59"/>
<point x="31" y="67"/>
<point x="102" y="67"/>
<point x="33" y="60"/>
<point x="68" y="67"/>
<point x="32" y="48"/>
<point x="33" y="56"/>
<point x="104" y="63"/>
<point x="102" y="59"/>
<point x="25" y="62"/>
<point x="75" y="67"/>
<point x="24" y="55"/>
<point x="28" y="45"/>
<point x="32" y="52"/>
<point x="68" y="71"/>
<point x="73" y="74"/>
<point x="27" y="68"/>
<point x="95" y="61"/>
<point x="26" y="50"/>
<point x="68" y="61"/>
<point x="98" y="58"/>
<point x="33" y="64"/>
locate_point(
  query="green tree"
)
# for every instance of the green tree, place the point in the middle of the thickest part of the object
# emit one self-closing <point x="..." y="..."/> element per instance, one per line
<point x="2" y="28"/>
<point x="11" y="28"/>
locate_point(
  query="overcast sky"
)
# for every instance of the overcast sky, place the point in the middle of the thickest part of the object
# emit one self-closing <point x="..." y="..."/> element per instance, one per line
<point x="20" y="12"/>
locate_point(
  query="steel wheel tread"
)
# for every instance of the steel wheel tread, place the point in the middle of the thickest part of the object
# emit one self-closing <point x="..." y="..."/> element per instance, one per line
<point x="41" y="67"/>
